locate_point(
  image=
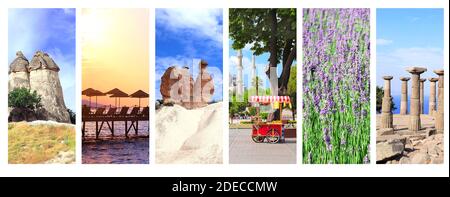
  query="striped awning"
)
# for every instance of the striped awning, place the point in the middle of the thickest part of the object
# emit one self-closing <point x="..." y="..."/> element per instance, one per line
<point x="270" y="99"/>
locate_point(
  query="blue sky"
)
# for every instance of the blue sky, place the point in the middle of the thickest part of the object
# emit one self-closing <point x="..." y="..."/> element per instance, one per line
<point x="184" y="36"/>
<point x="49" y="30"/>
<point x="407" y="37"/>
<point x="261" y="62"/>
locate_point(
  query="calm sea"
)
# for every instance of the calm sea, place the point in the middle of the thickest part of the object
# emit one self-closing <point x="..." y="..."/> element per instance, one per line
<point x="118" y="149"/>
<point x="397" y="100"/>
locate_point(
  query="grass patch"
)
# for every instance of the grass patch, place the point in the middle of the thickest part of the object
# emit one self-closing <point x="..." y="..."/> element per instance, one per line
<point x="34" y="144"/>
<point x="240" y="126"/>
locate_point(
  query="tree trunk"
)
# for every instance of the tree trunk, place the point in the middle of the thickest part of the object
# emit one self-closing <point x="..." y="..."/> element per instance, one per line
<point x="273" y="52"/>
<point x="284" y="78"/>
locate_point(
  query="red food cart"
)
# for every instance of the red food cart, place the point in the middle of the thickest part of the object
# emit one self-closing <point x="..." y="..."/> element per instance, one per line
<point x="271" y="130"/>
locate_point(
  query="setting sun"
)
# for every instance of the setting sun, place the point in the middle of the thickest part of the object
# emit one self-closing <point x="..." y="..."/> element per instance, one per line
<point x="115" y="52"/>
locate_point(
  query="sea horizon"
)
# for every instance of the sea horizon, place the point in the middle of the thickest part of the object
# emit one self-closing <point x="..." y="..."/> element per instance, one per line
<point x="397" y="100"/>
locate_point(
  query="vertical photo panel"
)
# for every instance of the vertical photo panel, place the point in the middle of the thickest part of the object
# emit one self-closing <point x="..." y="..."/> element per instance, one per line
<point x="336" y="86"/>
<point x="189" y="107"/>
<point x="115" y="86"/>
<point x="410" y="86"/>
<point x="41" y="86"/>
<point x="263" y="86"/>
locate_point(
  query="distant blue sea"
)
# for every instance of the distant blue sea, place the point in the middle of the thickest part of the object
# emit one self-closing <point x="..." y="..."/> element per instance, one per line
<point x="397" y="100"/>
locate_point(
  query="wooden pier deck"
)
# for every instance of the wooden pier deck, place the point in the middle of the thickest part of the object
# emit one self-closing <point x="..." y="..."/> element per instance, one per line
<point x="101" y="119"/>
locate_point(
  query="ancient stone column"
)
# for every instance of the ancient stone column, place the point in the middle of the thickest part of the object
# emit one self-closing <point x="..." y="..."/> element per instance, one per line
<point x="414" y="123"/>
<point x="386" y="113"/>
<point x="432" y="99"/>
<point x="422" y="96"/>
<point x="439" y="122"/>
<point x="404" y="100"/>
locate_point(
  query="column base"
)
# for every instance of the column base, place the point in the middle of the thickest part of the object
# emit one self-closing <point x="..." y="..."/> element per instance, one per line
<point x="414" y="124"/>
<point x="386" y="121"/>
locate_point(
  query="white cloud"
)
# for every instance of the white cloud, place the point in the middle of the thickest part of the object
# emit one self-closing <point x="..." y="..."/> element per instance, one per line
<point x="199" y="22"/>
<point x="162" y="63"/>
<point x="69" y="11"/>
<point x="414" y="19"/>
<point x="394" y="63"/>
<point x="21" y="21"/>
<point x="383" y="42"/>
<point x="430" y="57"/>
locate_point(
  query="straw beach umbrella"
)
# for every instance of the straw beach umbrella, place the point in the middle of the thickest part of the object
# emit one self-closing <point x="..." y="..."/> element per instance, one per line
<point x="119" y="95"/>
<point x="115" y="91"/>
<point x="139" y="94"/>
<point x="97" y="93"/>
<point x="89" y="93"/>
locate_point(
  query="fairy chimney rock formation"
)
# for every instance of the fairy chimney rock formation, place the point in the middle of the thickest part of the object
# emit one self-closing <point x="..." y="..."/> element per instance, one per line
<point x="178" y="87"/>
<point x="43" y="78"/>
<point x="203" y="87"/>
<point x="18" y="72"/>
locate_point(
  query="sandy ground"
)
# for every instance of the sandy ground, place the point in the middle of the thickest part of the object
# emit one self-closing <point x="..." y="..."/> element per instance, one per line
<point x="401" y="121"/>
<point x="244" y="151"/>
<point x="189" y="136"/>
<point x="406" y="147"/>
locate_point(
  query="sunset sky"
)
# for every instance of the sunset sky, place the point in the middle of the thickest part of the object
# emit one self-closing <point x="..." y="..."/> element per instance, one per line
<point x="115" y="52"/>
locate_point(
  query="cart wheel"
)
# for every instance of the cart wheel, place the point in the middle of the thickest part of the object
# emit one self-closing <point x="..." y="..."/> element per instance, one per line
<point x="258" y="139"/>
<point x="273" y="136"/>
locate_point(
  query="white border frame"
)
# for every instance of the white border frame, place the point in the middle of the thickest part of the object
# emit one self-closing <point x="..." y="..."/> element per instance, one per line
<point x="217" y="169"/>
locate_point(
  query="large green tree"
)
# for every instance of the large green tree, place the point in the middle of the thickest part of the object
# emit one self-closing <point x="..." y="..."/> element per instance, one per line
<point x="292" y="89"/>
<point x="270" y="31"/>
<point x="380" y="94"/>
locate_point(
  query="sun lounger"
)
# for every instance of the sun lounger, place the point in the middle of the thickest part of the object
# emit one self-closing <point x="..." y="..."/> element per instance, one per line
<point x="99" y="111"/>
<point x="144" y="112"/>
<point x="134" y="112"/>
<point x="111" y="112"/>
<point x="123" y="111"/>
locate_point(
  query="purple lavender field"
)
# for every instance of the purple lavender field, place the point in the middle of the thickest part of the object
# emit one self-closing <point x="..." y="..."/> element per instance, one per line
<point x="336" y="103"/>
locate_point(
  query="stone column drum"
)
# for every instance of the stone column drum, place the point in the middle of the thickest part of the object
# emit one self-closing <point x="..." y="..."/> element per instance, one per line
<point x="404" y="99"/>
<point x="386" y="113"/>
<point x="414" y="117"/>
<point x="422" y="96"/>
<point x="432" y="102"/>
<point x="439" y="122"/>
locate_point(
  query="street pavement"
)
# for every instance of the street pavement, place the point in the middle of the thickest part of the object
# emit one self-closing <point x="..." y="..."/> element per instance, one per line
<point x="244" y="151"/>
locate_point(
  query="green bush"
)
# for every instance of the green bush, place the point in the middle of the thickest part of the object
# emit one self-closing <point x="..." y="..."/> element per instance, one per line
<point x="72" y="116"/>
<point x="23" y="98"/>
